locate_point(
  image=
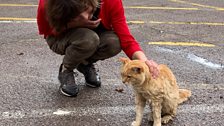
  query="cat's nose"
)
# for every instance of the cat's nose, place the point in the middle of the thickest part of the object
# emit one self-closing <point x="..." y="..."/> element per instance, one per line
<point x="124" y="82"/>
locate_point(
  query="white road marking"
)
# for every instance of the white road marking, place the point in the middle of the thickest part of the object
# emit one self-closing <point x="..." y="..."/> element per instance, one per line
<point x="199" y="44"/>
<point x="85" y="111"/>
<point x="204" y="61"/>
<point x="194" y="58"/>
<point x="31" y="21"/>
<point x="61" y="112"/>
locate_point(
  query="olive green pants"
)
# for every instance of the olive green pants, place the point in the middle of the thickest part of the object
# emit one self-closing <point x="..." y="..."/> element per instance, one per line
<point x="82" y="44"/>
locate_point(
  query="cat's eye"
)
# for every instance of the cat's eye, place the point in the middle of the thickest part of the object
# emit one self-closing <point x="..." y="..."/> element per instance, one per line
<point x="128" y="76"/>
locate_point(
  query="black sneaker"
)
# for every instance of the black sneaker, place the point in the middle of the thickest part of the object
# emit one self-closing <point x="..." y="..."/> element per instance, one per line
<point x="91" y="75"/>
<point x="68" y="86"/>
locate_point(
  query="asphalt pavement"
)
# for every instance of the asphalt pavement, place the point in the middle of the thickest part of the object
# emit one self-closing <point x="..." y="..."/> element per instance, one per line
<point x="187" y="35"/>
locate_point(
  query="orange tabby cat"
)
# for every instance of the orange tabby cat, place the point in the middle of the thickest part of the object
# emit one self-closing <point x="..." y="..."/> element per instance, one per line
<point x="162" y="93"/>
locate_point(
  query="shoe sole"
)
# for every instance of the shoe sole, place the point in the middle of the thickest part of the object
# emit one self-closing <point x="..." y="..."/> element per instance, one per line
<point x="62" y="92"/>
<point x="92" y="86"/>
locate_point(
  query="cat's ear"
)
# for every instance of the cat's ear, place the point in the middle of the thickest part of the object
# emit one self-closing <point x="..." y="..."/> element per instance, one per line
<point x="124" y="60"/>
<point x="137" y="70"/>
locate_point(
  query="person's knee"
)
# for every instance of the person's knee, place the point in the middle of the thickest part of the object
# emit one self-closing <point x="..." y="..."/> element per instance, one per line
<point x="88" y="40"/>
<point x="55" y="46"/>
<point x="113" y="46"/>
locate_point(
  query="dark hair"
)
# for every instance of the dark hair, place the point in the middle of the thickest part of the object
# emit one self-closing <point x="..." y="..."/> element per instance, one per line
<point x="60" y="12"/>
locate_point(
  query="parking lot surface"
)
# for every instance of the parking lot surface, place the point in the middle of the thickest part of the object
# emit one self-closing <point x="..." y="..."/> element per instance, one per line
<point x="187" y="35"/>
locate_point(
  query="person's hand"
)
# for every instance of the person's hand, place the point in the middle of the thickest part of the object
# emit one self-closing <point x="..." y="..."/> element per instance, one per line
<point x="84" y="21"/>
<point x="92" y="24"/>
<point x="153" y="67"/>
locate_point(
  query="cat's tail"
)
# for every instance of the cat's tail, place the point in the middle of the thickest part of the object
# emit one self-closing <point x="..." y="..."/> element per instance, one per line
<point x="184" y="94"/>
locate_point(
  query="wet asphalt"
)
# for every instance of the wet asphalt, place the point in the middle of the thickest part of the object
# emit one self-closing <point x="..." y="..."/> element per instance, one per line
<point x="186" y="35"/>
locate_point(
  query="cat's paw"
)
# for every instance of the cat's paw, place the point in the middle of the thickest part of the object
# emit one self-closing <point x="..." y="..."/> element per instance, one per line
<point x="166" y="119"/>
<point x="134" y="123"/>
<point x="158" y="124"/>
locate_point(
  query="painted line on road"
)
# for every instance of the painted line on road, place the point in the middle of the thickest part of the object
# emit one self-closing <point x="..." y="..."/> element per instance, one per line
<point x="33" y="20"/>
<point x="134" y="7"/>
<point x="135" y="22"/>
<point x="131" y="7"/>
<point x="177" y="23"/>
<point x="128" y="7"/>
<point x="204" y="61"/>
<point x="16" y="19"/>
<point x="18" y="5"/>
<point x="201" y="86"/>
<point x="17" y="22"/>
<point x="159" y="8"/>
<point x="188" y="23"/>
<point x="199" y="5"/>
<point x="87" y="111"/>
<point x="182" y="44"/>
<point x="192" y="57"/>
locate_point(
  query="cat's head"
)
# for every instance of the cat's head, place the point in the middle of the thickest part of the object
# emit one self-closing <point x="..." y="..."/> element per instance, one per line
<point x="133" y="72"/>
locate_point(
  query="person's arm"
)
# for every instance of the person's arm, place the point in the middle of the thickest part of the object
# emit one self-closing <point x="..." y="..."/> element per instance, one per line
<point x="118" y="22"/>
<point x="128" y="44"/>
<point x="139" y="55"/>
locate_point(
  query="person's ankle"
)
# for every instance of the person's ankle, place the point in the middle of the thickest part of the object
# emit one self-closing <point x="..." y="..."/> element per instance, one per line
<point x="63" y="68"/>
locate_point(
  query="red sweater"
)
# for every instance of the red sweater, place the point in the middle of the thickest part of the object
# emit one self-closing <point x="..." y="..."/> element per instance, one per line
<point x="112" y="17"/>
